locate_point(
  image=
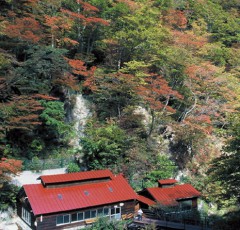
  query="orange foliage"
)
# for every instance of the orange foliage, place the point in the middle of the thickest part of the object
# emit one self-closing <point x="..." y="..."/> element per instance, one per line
<point x="57" y="23"/>
<point x="44" y="97"/>
<point x="176" y="18"/>
<point x="73" y="14"/>
<point x="156" y="92"/>
<point x="7" y="167"/>
<point x="205" y="71"/>
<point x="188" y="40"/>
<point x="26" y="113"/>
<point x="70" y="41"/>
<point x="94" y="20"/>
<point x="87" y="7"/>
<point x="202" y="123"/>
<point x="85" y="19"/>
<point x="67" y="80"/>
<point x="26" y="29"/>
<point x="79" y="67"/>
<point x="212" y="96"/>
<point x="90" y="81"/>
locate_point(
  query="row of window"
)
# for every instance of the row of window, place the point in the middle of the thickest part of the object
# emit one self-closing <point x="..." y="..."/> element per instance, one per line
<point x="112" y="212"/>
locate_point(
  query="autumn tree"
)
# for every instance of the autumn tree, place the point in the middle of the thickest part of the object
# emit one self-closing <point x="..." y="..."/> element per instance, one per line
<point x="18" y="117"/>
<point x="8" y="168"/>
<point x="212" y="95"/>
<point x="157" y="94"/>
<point x="25" y="29"/>
<point x="85" y="21"/>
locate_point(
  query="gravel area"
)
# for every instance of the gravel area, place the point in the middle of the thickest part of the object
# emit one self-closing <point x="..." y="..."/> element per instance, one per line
<point x="30" y="177"/>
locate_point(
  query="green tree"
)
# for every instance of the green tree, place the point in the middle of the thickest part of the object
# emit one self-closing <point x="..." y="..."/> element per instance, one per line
<point x="103" y="145"/>
<point x="42" y="67"/>
<point x="73" y="167"/>
<point x="225" y="170"/>
<point x="53" y="118"/>
<point x="132" y="36"/>
<point x="164" y="168"/>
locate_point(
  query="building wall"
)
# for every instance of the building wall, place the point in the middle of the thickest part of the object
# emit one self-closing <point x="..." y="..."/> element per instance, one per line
<point x="22" y="202"/>
<point x="48" y="222"/>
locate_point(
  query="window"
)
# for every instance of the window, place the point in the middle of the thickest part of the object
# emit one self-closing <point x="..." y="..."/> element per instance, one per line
<point x="80" y="216"/>
<point x="100" y="212"/>
<point x="113" y="212"/>
<point x="64" y="219"/>
<point x="77" y="217"/>
<point x="26" y="216"/>
<point x="116" y="213"/>
<point x="87" y="215"/>
<point x="93" y="213"/>
<point x="106" y="211"/>
<point x="74" y="217"/>
<point x="90" y="214"/>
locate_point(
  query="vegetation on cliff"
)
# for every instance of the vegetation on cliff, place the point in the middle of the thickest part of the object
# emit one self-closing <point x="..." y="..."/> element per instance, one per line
<point x="162" y="77"/>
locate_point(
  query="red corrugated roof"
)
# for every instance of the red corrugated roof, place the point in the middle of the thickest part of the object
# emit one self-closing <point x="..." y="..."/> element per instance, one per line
<point x="145" y="200"/>
<point x="49" y="200"/>
<point x="169" y="196"/>
<point x="167" y="181"/>
<point x="79" y="176"/>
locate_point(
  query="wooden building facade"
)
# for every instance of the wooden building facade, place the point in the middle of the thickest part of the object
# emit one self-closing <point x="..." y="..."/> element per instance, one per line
<point x="75" y="200"/>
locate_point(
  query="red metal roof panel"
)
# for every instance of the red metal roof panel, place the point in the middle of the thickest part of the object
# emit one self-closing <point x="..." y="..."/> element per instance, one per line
<point x="49" y="200"/>
<point x="169" y="196"/>
<point x="78" y="176"/>
<point x="145" y="200"/>
<point x="167" y="181"/>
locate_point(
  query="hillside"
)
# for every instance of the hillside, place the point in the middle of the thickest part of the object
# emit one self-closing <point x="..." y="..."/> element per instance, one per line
<point x="158" y="82"/>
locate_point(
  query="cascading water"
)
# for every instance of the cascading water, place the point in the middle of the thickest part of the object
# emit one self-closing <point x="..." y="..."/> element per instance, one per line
<point x="79" y="115"/>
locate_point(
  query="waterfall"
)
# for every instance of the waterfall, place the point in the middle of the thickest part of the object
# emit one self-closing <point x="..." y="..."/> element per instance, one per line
<point x="79" y="114"/>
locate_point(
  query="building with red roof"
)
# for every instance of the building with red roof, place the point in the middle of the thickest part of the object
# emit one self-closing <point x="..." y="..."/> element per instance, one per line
<point x="75" y="199"/>
<point x="170" y="194"/>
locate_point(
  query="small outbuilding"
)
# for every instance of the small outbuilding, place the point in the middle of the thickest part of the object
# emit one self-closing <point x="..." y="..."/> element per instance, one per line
<point x="74" y="200"/>
<point x="170" y="194"/>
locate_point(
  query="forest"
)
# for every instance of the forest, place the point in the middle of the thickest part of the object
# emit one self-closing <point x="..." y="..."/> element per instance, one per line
<point x="160" y="77"/>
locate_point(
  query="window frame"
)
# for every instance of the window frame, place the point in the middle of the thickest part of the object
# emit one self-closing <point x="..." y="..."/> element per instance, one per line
<point x="77" y="215"/>
<point x="26" y="216"/>
<point x="115" y="214"/>
<point x="63" y="216"/>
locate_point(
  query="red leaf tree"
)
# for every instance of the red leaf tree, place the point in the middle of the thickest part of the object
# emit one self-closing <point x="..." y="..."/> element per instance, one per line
<point x="156" y="92"/>
<point x="9" y="167"/>
<point x="25" y="29"/>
